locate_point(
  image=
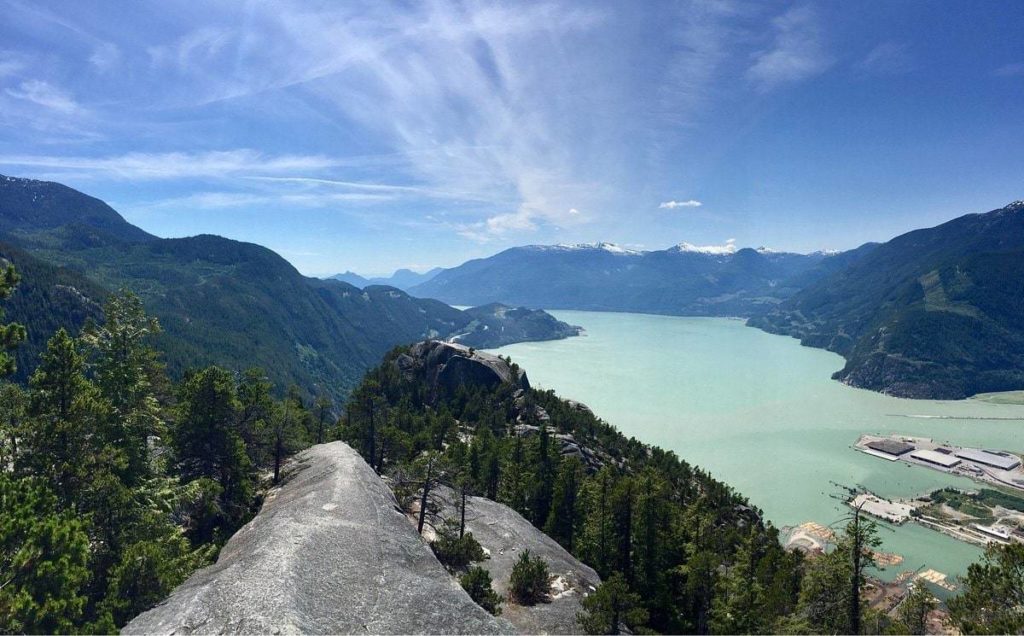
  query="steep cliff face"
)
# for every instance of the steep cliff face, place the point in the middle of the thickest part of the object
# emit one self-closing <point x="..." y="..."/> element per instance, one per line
<point x="447" y="365"/>
<point x="329" y="553"/>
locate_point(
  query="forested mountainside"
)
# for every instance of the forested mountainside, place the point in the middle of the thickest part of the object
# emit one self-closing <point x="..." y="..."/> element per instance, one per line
<point x="219" y="301"/>
<point x="677" y="551"/>
<point x="117" y="484"/>
<point x="934" y="313"/>
<point x="680" y="281"/>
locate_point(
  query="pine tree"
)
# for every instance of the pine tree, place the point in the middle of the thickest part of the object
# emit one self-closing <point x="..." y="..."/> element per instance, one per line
<point x="992" y="601"/>
<point x="125" y="368"/>
<point x="11" y="334"/>
<point x="610" y="606"/>
<point x="561" y="522"/>
<point x="62" y="438"/>
<point x="739" y="602"/>
<point x="207" y="442"/>
<point x="43" y="558"/>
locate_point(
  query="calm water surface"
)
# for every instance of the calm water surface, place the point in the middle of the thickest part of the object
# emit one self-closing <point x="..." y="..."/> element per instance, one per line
<point x="761" y="413"/>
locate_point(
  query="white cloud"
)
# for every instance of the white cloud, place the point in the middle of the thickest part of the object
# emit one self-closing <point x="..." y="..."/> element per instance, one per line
<point x="797" y="52"/>
<point x="672" y="205"/>
<point x="573" y="211"/>
<point x="46" y="95"/>
<point x="888" y="58"/>
<point x="177" y="165"/>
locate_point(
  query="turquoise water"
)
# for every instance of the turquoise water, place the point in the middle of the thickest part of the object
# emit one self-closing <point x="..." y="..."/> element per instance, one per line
<point x="761" y="413"/>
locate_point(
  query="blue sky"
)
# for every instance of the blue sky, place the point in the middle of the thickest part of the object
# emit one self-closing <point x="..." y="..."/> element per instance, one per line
<point x="372" y="136"/>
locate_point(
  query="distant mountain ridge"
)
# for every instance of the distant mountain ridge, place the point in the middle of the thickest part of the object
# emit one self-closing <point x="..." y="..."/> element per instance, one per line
<point x="219" y="301"/>
<point x="682" y="280"/>
<point x="402" y="279"/>
<point x="933" y="313"/>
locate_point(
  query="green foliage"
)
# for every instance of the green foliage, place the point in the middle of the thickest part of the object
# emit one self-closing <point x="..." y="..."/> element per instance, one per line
<point x="43" y="560"/>
<point x="477" y="583"/>
<point x="455" y="552"/>
<point x="12" y="334"/>
<point x="610" y="606"/>
<point x="530" y="582"/>
<point x="992" y="601"/>
<point x="828" y="601"/>
<point x="125" y="370"/>
<point x="208" y="444"/>
<point x="912" y="613"/>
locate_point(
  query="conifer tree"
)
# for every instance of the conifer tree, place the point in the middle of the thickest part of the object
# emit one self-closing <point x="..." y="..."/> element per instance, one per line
<point x="43" y="559"/>
<point x="125" y="366"/>
<point x="11" y="334"/>
<point x="208" y="445"/>
<point x="562" y="519"/>
<point x="62" y="438"/>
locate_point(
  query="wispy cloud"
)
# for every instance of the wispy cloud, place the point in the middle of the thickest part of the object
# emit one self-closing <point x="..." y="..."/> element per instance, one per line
<point x="176" y="165"/>
<point x="46" y="95"/>
<point x="888" y="58"/>
<point x="672" y="205"/>
<point x="11" y="63"/>
<point x="1010" y="70"/>
<point x="797" y="52"/>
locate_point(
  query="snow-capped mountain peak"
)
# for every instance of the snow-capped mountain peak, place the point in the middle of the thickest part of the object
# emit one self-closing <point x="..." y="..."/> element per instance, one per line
<point x="728" y="248"/>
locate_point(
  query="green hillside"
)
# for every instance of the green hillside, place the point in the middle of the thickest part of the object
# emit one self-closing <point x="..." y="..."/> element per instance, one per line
<point x="934" y="313"/>
<point x="219" y="301"/>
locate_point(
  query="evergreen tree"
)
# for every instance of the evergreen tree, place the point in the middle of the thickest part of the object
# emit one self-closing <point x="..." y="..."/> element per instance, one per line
<point x="477" y="583"/>
<point x="544" y="478"/>
<point x="562" y="519"/>
<point x="610" y="606"/>
<point x="514" y="482"/>
<point x="830" y="594"/>
<point x="739" y="603"/>
<point x="992" y="601"/>
<point x="530" y="581"/>
<point x="63" y="435"/>
<point x="43" y="560"/>
<point x="11" y="334"/>
<point x="323" y="408"/>
<point x="13" y="410"/>
<point x="912" y="613"/>
<point x="207" y="443"/>
<point x="125" y="367"/>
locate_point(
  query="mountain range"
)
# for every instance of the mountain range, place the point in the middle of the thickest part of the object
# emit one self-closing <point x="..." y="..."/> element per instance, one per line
<point x="219" y="301"/>
<point x="934" y="313"/>
<point x="402" y="278"/>
<point x="682" y="280"/>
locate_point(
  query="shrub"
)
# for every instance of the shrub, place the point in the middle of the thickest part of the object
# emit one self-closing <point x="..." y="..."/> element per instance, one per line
<point x="453" y="552"/>
<point x="477" y="583"/>
<point x="530" y="580"/>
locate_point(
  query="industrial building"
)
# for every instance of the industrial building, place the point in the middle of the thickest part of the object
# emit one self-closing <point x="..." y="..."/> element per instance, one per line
<point x="890" y="447"/>
<point x="1002" y="461"/>
<point x="938" y="459"/>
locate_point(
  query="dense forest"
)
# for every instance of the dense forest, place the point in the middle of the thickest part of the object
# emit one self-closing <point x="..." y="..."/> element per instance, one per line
<point x="116" y="484"/>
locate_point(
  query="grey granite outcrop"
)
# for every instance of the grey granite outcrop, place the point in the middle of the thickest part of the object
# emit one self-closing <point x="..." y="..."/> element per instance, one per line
<point x="449" y="365"/>
<point x="329" y="553"/>
<point x="504" y="534"/>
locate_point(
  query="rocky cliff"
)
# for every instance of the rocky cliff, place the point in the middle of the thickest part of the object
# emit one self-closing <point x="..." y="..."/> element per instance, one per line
<point x="504" y="534"/>
<point x="329" y="553"/>
<point x="447" y="365"/>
